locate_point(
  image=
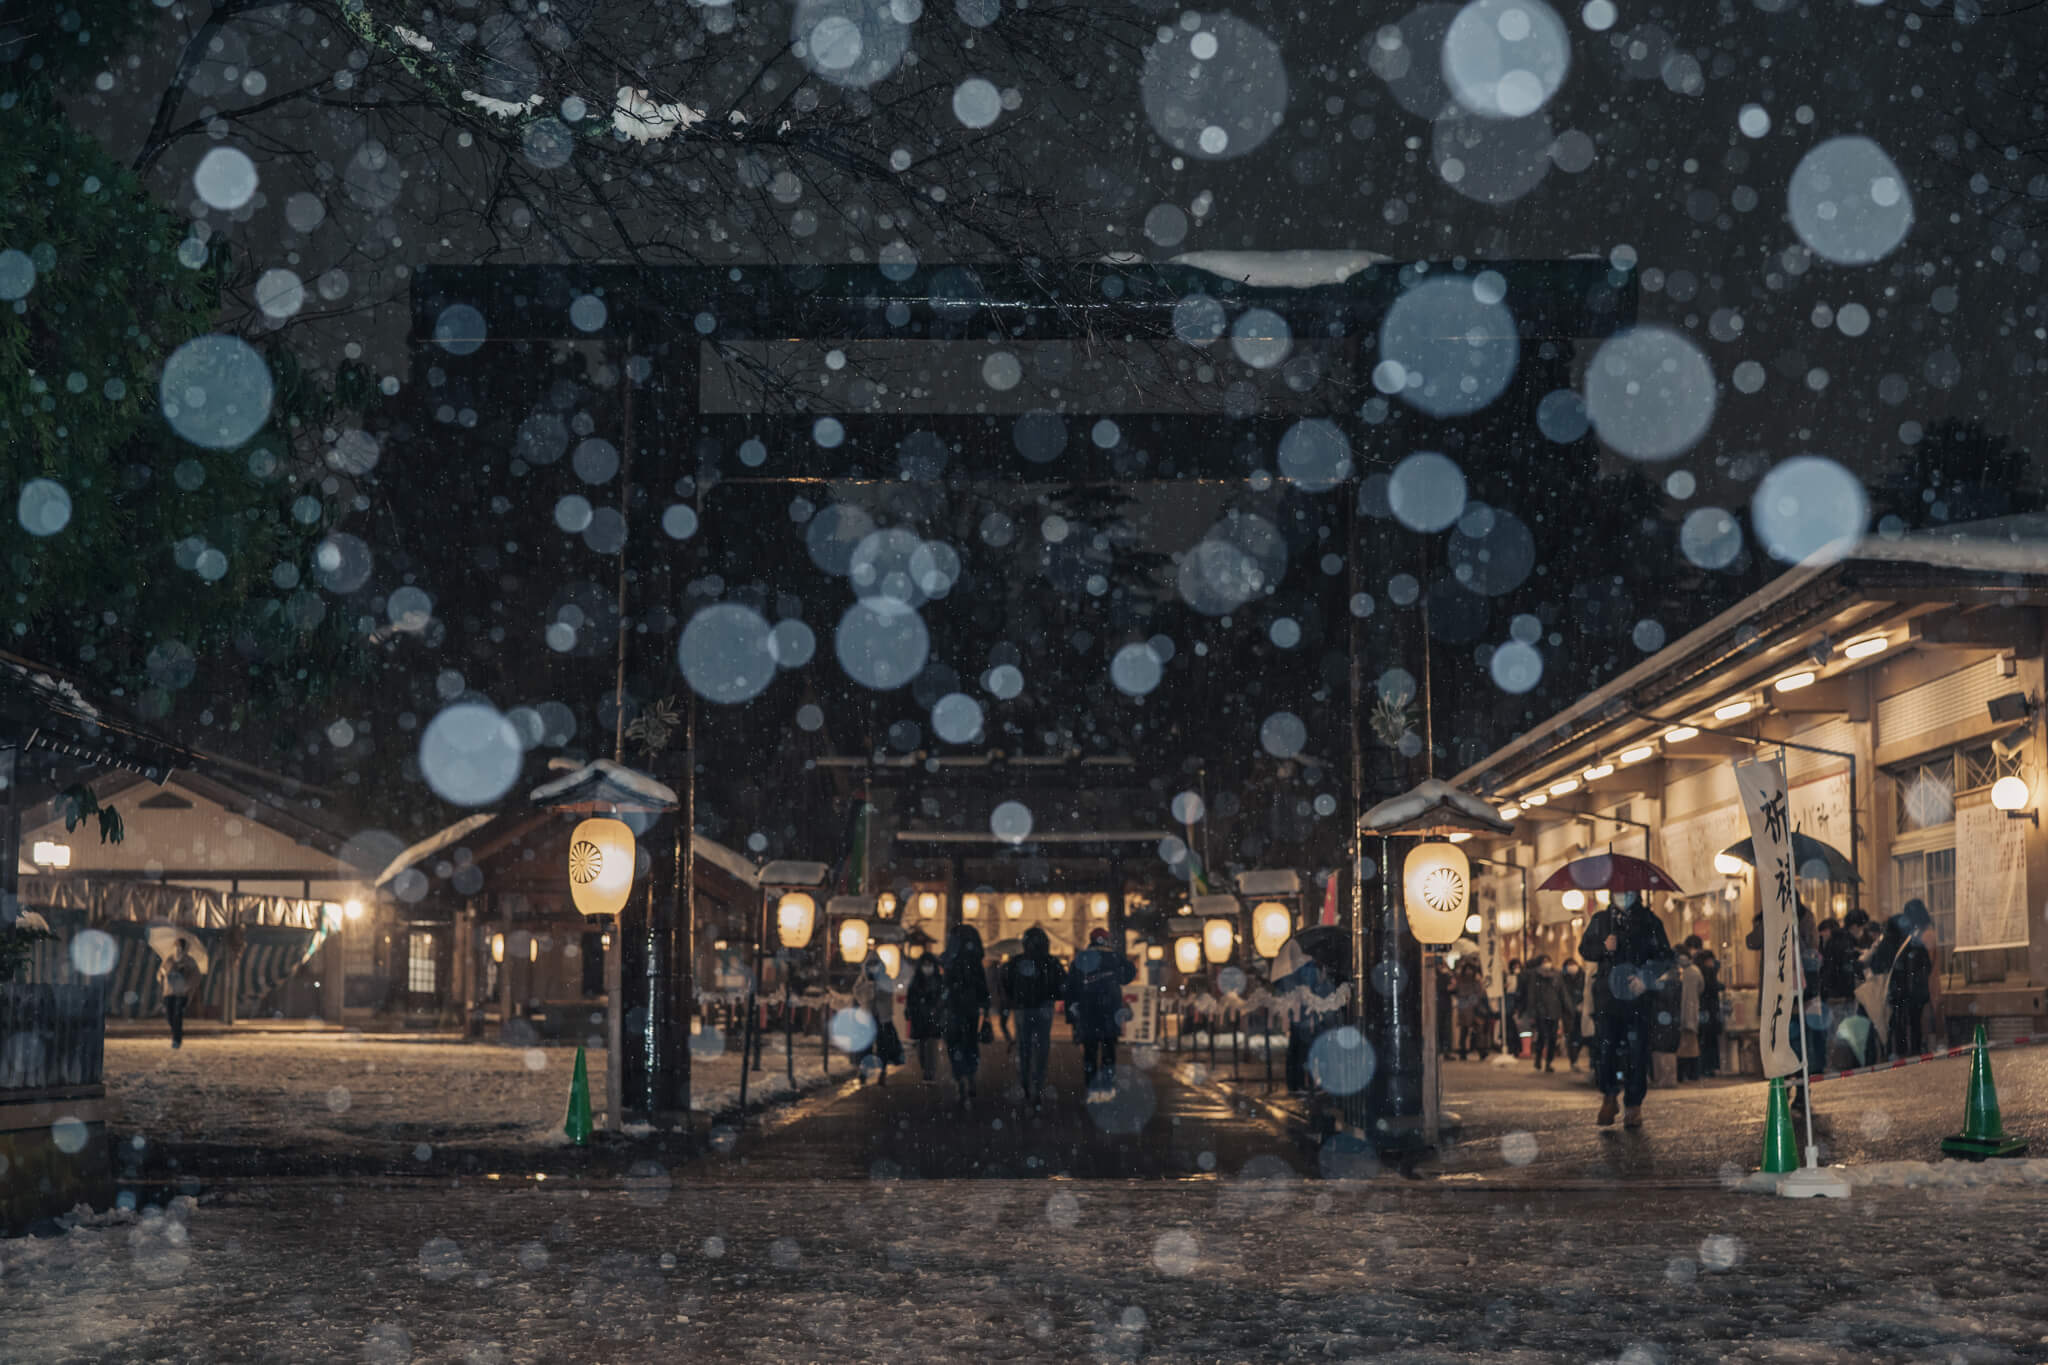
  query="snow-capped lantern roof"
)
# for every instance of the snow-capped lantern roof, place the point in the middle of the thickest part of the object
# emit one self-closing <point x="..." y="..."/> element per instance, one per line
<point x="1434" y="807"/>
<point x="604" y="785"/>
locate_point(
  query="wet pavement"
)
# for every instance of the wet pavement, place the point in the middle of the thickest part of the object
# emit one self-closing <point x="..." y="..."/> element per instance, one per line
<point x="1162" y="1123"/>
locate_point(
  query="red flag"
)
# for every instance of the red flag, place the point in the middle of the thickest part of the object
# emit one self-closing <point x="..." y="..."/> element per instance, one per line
<point x="1330" y="900"/>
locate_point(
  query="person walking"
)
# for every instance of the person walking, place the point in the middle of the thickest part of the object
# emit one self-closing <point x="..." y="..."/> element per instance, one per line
<point x="1511" y="1013"/>
<point x="1446" y="1010"/>
<point x="1571" y="979"/>
<point x="1841" y="971"/>
<point x="1911" y="991"/>
<point x="180" y="973"/>
<point x="1032" y="983"/>
<point x="1628" y="954"/>
<point x="1095" y="1007"/>
<point x="1691" y="984"/>
<point x="1470" y="992"/>
<point x="1545" y="1007"/>
<point x="1710" y="1013"/>
<point x="966" y="1009"/>
<point x="875" y="992"/>
<point x="924" y="1010"/>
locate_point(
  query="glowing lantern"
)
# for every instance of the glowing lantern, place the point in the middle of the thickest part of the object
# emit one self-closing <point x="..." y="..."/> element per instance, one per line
<point x="601" y="866"/>
<point x="1271" y="926"/>
<point x="853" y="940"/>
<point x="497" y="947"/>
<point x="1728" y="865"/>
<point x="1474" y="924"/>
<point x="1187" y="955"/>
<point x="1509" y="920"/>
<point x="795" y="914"/>
<point x="1574" y="901"/>
<point x="1218" y="938"/>
<point x="928" y="905"/>
<point x="1436" y="882"/>
<point x="885" y="904"/>
<point x="1013" y="907"/>
<point x="970" y="905"/>
<point x="1099" y="907"/>
<point x="1056" y="907"/>
<point x="891" y="955"/>
<point x="1155" y="953"/>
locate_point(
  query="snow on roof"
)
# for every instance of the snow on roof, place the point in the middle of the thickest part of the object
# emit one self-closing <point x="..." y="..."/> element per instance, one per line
<point x="432" y="844"/>
<point x="1282" y="269"/>
<point x="726" y="860"/>
<point x="607" y="783"/>
<point x="2016" y="544"/>
<point x="793" y="872"/>
<point x="1434" y="797"/>
<point x="1270" y="882"/>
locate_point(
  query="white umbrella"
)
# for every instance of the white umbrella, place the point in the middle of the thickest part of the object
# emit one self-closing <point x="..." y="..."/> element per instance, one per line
<point x="163" y="940"/>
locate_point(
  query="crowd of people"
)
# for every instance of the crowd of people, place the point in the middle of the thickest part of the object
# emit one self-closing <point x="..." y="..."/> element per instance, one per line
<point x="956" y="1002"/>
<point x="1651" y="1014"/>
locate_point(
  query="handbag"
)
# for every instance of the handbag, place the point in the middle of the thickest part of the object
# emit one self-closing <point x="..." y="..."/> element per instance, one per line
<point x="988" y="1033"/>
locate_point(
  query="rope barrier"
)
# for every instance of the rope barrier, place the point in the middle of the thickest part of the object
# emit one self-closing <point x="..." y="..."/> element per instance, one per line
<point x="1966" y="1050"/>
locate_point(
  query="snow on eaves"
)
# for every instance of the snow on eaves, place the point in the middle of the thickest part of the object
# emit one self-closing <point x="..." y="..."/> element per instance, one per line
<point x="1461" y="808"/>
<point x="2017" y="544"/>
<point x="645" y="120"/>
<point x="1282" y="269"/>
<point x="417" y="41"/>
<point x="630" y="782"/>
<point x="729" y="861"/>
<point x="432" y="844"/>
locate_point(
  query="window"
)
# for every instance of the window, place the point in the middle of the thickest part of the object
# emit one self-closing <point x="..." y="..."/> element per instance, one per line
<point x="419" y="964"/>
<point x="1930" y="876"/>
<point x="1925" y="790"/>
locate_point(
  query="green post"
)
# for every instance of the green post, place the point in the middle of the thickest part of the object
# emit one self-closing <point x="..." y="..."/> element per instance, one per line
<point x="1781" y="1150"/>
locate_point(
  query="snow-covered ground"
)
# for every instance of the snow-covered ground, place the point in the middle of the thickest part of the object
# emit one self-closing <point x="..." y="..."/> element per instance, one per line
<point x="1243" y="1267"/>
<point x="334" y="1092"/>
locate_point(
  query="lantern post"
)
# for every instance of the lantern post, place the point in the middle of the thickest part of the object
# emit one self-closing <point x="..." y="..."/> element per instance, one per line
<point x="1425" y="894"/>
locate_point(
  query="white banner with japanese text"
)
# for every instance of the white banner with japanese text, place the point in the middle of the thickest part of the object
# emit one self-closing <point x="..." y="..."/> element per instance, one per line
<point x="1765" y="800"/>
<point x="1991" y="879"/>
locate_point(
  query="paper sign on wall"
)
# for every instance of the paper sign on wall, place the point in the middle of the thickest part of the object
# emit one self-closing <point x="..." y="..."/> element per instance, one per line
<point x="1991" y="879"/>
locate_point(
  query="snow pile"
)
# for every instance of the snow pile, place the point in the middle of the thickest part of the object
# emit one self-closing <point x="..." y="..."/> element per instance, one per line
<point x="1455" y="807"/>
<point x="643" y="119"/>
<point x="1920" y="1175"/>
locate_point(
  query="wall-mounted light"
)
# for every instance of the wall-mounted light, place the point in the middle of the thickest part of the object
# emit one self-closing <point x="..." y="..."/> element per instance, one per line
<point x="885" y="904"/>
<point x="1728" y="865"/>
<point x="970" y="905"/>
<point x="1155" y="953"/>
<point x="1533" y="800"/>
<point x="1574" y="900"/>
<point x="1792" y="682"/>
<point x="1098" y="908"/>
<point x="1679" y="734"/>
<point x="49" y="854"/>
<point x="1598" y="771"/>
<point x="1734" y="710"/>
<point x="1474" y="924"/>
<point x="928" y="905"/>
<point x="2010" y="794"/>
<point x="1461" y="836"/>
<point x="533" y="950"/>
<point x="1565" y="787"/>
<point x="1187" y="955"/>
<point x="1056" y="906"/>
<point x="1638" y="753"/>
<point x="1864" y="649"/>
<point x="1013" y="907"/>
<point x="1510" y="811"/>
<point x="352" y="908"/>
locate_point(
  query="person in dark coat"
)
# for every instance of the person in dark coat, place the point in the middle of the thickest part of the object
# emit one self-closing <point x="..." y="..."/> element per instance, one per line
<point x="1571" y="979"/>
<point x="967" y="1006"/>
<point x="1032" y="983"/>
<point x="1710" y="1013"/>
<point x="1903" y="952"/>
<point x="1445" y="1011"/>
<point x="1470" y="990"/>
<point x="924" y="1009"/>
<point x="1629" y="955"/>
<point x="1544" y="1005"/>
<point x="1095" y="1007"/>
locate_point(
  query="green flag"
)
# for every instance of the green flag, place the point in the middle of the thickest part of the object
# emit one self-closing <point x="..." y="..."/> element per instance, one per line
<point x="857" y="859"/>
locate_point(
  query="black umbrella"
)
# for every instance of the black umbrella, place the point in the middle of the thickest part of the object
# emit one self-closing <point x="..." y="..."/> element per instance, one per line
<point x="1811" y="858"/>
<point x="1326" y="945"/>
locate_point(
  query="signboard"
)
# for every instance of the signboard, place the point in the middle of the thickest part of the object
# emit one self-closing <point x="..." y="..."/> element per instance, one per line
<point x="1142" y="1000"/>
<point x="1991" y="879"/>
<point x="1768" y="805"/>
<point x="1690" y="845"/>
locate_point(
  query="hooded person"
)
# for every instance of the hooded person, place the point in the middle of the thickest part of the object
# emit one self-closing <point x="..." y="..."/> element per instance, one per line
<point x="967" y="1005"/>
<point x="1571" y="979"/>
<point x="1032" y="983"/>
<point x="1095" y="1007"/>
<point x="924" y="1010"/>
<point x="1628" y="956"/>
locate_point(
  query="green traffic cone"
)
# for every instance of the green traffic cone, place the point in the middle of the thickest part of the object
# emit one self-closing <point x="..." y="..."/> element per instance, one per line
<point x="1983" y="1132"/>
<point x="577" y="1125"/>
<point x="1781" y="1150"/>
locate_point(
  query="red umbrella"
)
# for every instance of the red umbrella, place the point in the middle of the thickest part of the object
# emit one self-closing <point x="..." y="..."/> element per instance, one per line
<point x="1609" y="872"/>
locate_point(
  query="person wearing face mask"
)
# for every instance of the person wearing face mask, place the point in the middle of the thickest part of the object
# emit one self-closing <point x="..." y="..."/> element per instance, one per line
<point x="924" y="1011"/>
<point x="1628" y="955"/>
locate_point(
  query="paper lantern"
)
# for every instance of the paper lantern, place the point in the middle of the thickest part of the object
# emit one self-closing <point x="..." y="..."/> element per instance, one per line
<point x="1218" y="938"/>
<point x="1271" y="927"/>
<point x="928" y="905"/>
<point x="1574" y="901"/>
<point x="891" y="955"/>
<point x="1056" y="906"/>
<point x="1474" y="924"/>
<point x="970" y="905"/>
<point x="885" y="904"/>
<point x="1436" y="883"/>
<point x="1509" y="920"/>
<point x="795" y="914"/>
<point x="1013" y="907"/>
<point x="497" y="947"/>
<point x="1728" y="865"/>
<point x="1099" y="908"/>
<point x="1187" y="955"/>
<point x="601" y="866"/>
<point x="853" y="940"/>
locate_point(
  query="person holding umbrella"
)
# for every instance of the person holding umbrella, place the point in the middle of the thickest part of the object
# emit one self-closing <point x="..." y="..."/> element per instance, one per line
<point x="180" y="973"/>
<point x="1629" y="955"/>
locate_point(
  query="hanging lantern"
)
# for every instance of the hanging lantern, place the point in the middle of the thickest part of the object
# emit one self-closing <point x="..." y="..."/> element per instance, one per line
<point x="970" y="905"/>
<point x="885" y="904"/>
<point x="853" y="940"/>
<point x="1099" y="908"/>
<point x="1056" y="906"/>
<point x="1271" y="927"/>
<point x="928" y="905"/>
<point x="891" y="955"/>
<point x="1436" y="882"/>
<point x="497" y="947"/>
<point x="601" y="866"/>
<point x="1013" y="907"/>
<point x="1187" y="955"/>
<point x="1474" y="925"/>
<point x="1574" y="900"/>
<point x="1509" y="920"/>
<point x="795" y="914"/>
<point x="1219" y="937"/>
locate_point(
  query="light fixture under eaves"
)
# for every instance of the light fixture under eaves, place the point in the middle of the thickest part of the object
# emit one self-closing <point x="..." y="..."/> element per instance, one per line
<point x="1509" y="812"/>
<point x="1792" y="682"/>
<point x="1533" y="799"/>
<point x="1638" y="754"/>
<point x="1734" y="710"/>
<point x="1564" y="788"/>
<point x="1864" y="649"/>
<point x="1679" y="734"/>
<point x="1598" y="771"/>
